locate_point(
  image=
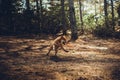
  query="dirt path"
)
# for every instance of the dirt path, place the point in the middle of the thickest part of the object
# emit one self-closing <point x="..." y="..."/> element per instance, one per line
<point x="24" y="58"/>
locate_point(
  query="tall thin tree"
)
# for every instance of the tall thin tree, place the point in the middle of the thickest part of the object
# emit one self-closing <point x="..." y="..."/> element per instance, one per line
<point x="28" y="4"/>
<point x="74" y="34"/>
<point x="106" y="13"/>
<point x="63" y="17"/>
<point x="41" y="14"/>
<point x="38" y="12"/>
<point x="37" y="6"/>
<point x="118" y="11"/>
<point x="28" y="15"/>
<point x="112" y="9"/>
<point x="81" y="16"/>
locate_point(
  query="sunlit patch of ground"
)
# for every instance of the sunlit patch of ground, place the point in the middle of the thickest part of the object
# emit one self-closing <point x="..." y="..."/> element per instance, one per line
<point x="89" y="58"/>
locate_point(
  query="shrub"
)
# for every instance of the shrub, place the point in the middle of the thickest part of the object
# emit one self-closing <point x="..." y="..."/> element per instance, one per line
<point x="103" y="31"/>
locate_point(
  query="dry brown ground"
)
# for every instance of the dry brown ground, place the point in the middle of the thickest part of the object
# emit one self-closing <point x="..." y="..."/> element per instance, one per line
<point x="89" y="58"/>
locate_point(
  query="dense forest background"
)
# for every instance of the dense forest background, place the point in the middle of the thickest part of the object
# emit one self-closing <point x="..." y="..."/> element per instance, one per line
<point x="100" y="17"/>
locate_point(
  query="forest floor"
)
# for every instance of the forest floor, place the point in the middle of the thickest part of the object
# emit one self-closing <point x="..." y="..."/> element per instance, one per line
<point x="89" y="58"/>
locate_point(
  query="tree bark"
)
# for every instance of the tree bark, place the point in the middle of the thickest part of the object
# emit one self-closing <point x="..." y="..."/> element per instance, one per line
<point x="41" y="15"/>
<point x="63" y="17"/>
<point x="37" y="5"/>
<point x="118" y="11"/>
<point x="38" y="13"/>
<point x="81" y="18"/>
<point x="112" y="8"/>
<point x="74" y="34"/>
<point x="106" y="13"/>
<point x="28" y="4"/>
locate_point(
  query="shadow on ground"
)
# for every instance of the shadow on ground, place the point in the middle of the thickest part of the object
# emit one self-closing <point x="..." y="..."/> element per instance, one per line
<point x="25" y="59"/>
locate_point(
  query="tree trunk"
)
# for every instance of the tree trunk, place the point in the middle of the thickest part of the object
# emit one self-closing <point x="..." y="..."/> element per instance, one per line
<point x="37" y="5"/>
<point x="38" y="13"/>
<point x="112" y="8"/>
<point x="28" y="4"/>
<point x="118" y="11"/>
<point x="41" y="14"/>
<point x="106" y="13"/>
<point x="63" y="17"/>
<point x="28" y="16"/>
<point x="72" y="18"/>
<point x="81" y="18"/>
